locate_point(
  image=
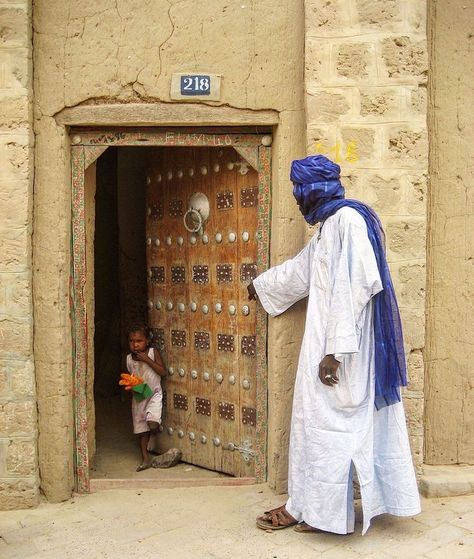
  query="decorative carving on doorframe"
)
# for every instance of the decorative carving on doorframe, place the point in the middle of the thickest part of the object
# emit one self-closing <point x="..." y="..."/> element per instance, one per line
<point x="92" y="153"/>
<point x="79" y="319"/>
<point x="263" y="259"/>
<point x="80" y="150"/>
<point x="248" y="146"/>
<point x="250" y="154"/>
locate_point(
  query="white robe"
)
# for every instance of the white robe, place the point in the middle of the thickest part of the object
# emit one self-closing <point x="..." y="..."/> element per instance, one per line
<point x="336" y="429"/>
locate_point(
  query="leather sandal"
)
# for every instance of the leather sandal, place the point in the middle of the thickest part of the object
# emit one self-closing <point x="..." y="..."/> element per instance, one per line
<point x="276" y="519"/>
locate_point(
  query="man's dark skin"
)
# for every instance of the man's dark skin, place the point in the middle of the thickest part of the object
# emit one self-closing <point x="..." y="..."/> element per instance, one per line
<point x="329" y="364"/>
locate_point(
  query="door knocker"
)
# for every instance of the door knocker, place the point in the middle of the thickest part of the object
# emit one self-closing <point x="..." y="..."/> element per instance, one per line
<point x="197" y="213"/>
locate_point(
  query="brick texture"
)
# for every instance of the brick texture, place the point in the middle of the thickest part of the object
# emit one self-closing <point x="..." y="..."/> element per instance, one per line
<point x="366" y="109"/>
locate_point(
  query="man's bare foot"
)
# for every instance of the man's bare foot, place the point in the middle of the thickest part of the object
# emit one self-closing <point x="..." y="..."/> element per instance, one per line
<point x="303" y="527"/>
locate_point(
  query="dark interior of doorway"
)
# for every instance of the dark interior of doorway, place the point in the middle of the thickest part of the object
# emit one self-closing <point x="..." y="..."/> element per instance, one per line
<point x="120" y="296"/>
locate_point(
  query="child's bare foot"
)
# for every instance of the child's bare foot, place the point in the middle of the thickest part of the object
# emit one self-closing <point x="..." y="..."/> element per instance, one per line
<point x="144" y="466"/>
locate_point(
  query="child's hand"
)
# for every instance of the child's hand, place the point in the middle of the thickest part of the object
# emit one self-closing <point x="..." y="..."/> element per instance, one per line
<point x="142" y="356"/>
<point x="129" y="381"/>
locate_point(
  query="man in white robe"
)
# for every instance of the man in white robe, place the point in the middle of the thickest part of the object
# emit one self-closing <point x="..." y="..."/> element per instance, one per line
<point x="335" y="427"/>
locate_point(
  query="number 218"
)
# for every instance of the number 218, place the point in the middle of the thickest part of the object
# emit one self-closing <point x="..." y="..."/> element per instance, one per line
<point x="196" y="83"/>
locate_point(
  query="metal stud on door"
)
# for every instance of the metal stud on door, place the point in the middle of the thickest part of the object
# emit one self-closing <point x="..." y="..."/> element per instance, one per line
<point x="199" y="306"/>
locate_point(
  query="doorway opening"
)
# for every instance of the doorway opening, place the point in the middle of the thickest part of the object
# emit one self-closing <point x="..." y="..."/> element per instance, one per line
<point x="120" y="299"/>
<point x="144" y="252"/>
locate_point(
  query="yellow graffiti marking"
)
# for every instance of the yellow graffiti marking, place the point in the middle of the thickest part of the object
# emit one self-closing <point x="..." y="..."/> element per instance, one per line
<point x="335" y="152"/>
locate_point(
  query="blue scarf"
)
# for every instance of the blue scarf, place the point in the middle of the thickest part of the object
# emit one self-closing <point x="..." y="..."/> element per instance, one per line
<point x="320" y="194"/>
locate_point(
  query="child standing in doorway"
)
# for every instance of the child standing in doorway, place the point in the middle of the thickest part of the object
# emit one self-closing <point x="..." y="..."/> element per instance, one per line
<point x="145" y="362"/>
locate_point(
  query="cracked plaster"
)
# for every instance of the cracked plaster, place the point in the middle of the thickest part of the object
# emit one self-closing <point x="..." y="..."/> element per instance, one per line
<point x="126" y="52"/>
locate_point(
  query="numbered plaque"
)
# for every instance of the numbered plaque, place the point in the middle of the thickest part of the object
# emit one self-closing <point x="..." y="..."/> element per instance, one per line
<point x="199" y="86"/>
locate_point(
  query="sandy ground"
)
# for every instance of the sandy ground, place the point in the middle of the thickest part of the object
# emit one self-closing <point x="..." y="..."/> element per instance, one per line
<point x="218" y="522"/>
<point x="209" y="522"/>
<point x="118" y="455"/>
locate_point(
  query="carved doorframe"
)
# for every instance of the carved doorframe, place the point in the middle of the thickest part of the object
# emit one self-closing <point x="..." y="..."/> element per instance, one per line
<point x="87" y="146"/>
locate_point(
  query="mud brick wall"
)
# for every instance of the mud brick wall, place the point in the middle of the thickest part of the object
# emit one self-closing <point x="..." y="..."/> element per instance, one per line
<point x="18" y="432"/>
<point x="365" y="101"/>
<point x="365" y="94"/>
<point x="111" y="52"/>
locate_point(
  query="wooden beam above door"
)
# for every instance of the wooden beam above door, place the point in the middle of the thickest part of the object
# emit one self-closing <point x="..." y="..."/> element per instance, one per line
<point x="164" y="114"/>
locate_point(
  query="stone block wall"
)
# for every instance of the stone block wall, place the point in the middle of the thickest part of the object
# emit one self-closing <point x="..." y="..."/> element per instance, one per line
<point x="365" y="91"/>
<point x="18" y="432"/>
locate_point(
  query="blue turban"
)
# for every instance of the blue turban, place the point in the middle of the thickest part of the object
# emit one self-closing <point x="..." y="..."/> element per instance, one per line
<point x="319" y="193"/>
<point x="316" y="181"/>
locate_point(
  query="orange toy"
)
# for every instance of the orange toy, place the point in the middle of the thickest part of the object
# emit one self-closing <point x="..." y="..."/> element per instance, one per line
<point x="129" y="381"/>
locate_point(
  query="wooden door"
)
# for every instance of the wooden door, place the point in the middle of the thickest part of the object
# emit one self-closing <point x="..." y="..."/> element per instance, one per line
<point x="198" y="304"/>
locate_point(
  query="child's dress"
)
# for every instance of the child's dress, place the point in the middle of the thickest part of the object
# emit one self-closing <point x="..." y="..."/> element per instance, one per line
<point x="150" y="408"/>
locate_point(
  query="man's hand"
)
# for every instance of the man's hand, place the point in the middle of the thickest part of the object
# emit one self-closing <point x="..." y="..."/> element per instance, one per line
<point x="252" y="292"/>
<point x="328" y="370"/>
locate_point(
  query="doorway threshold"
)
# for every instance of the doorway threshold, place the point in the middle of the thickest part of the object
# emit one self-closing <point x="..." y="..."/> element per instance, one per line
<point x="117" y="457"/>
<point x="168" y="483"/>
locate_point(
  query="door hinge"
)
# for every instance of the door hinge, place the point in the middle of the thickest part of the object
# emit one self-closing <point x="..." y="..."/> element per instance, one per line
<point x="245" y="450"/>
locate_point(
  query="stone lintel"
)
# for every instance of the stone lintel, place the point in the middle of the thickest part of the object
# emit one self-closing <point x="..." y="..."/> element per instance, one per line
<point x="164" y="114"/>
<point x="447" y="481"/>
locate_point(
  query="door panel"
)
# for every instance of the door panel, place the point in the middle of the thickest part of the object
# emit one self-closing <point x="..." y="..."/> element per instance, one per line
<point x="198" y="305"/>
